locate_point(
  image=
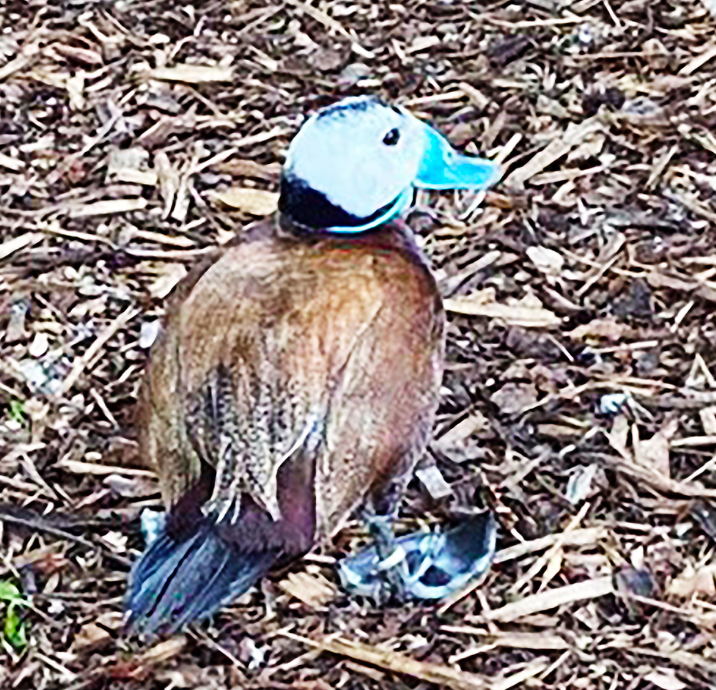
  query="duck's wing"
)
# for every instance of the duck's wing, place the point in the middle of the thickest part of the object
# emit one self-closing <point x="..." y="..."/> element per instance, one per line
<point x="383" y="402"/>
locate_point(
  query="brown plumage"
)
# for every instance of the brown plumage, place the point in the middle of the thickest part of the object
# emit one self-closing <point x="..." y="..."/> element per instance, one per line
<point x="295" y="379"/>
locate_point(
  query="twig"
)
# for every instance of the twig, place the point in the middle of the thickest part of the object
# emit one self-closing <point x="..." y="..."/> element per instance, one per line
<point x="93" y="350"/>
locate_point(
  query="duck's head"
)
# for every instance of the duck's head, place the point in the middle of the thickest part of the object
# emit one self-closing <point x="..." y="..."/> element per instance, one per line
<point x="354" y="165"/>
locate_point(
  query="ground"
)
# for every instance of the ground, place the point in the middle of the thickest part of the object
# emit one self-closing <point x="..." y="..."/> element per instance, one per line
<point x="579" y="399"/>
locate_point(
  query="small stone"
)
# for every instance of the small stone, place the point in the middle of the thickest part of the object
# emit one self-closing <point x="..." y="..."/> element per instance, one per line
<point x="326" y="60"/>
<point x="353" y="73"/>
<point x="148" y="333"/>
<point x="39" y="345"/>
<point x="513" y="398"/>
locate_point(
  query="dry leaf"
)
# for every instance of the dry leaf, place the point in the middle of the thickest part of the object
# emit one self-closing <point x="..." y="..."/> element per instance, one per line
<point x="254" y="202"/>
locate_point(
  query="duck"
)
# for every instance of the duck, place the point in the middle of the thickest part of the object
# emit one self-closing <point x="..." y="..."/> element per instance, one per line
<point x="295" y="379"/>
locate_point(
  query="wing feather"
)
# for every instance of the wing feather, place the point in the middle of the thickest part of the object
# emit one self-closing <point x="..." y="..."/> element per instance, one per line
<point x="277" y="339"/>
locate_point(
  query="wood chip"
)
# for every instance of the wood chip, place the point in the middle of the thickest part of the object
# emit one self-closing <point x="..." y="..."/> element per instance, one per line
<point x="168" y="181"/>
<point x="253" y="202"/>
<point x="699" y="61"/>
<point x="16" y="65"/>
<point x="654" y="453"/>
<point x="78" y="467"/>
<point x="18" y="243"/>
<point x="313" y="590"/>
<point x="108" y="207"/>
<point x="472" y="424"/>
<point x="665" y="680"/>
<point x="432" y="479"/>
<point x="580" y="362"/>
<point x="11" y="163"/>
<point x="147" y="178"/>
<point x="191" y="74"/>
<point x="546" y="260"/>
<point x="518" y="314"/>
<point x="513" y="640"/>
<point x="166" y="282"/>
<point x="573" y="136"/>
<point x="81" y="363"/>
<point x="551" y="598"/>
<point x="397" y="662"/>
<point x="248" y="168"/>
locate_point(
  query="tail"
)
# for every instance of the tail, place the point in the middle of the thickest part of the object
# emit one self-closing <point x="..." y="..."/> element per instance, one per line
<point x="180" y="579"/>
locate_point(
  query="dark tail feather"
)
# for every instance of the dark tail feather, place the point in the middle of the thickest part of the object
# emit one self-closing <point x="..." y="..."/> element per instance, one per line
<point x="176" y="582"/>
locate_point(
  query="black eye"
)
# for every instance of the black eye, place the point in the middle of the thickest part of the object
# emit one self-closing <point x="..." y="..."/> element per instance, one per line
<point x="392" y="137"/>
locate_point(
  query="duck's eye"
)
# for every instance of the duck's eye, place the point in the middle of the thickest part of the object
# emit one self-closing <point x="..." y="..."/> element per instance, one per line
<point x="392" y="137"/>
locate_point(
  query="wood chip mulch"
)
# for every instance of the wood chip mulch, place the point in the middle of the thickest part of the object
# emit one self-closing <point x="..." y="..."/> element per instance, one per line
<point x="580" y="396"/>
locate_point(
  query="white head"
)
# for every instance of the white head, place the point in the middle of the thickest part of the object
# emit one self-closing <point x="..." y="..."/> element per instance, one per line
<point x="353" y="166"/>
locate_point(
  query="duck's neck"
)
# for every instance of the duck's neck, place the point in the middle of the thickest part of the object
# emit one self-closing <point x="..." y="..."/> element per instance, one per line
<point x="313" y="210"/>
<point x="391" y="236"/>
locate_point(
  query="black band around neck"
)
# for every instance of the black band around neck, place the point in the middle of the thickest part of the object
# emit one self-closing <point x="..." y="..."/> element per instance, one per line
<point x="312" y="209"/>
